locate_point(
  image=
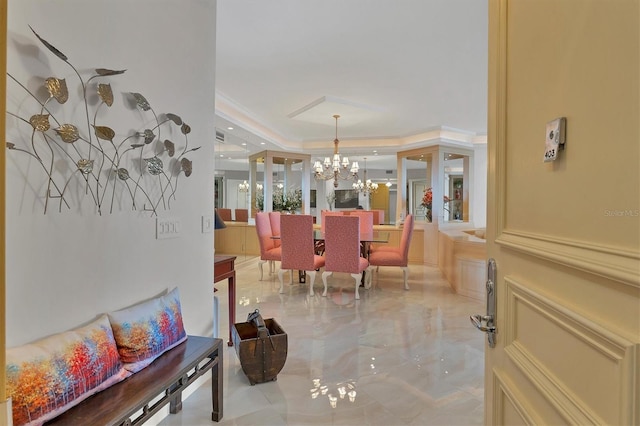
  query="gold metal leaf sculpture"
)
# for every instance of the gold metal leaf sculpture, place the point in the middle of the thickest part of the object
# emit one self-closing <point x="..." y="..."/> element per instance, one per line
<point x="105" y="93"/>
<point x="149" y="136"/>
<point x="40" y="122"/>
<point x="123" y="174"/>
<point x="185" y="129"/>
<point x="57" y="89"/>
<point x="154" y="165"/>
<point x="49" y="46"/>
<point x="187" y="166"/>
<point x="106" y="72"/>
<point x="170" y="147"/>
<point x="68" y="133"/>
<point x="141" y="102"/>
<point x="85" y="166"/>
<point x="105" y="133"/>
<point x="174" y="118"/>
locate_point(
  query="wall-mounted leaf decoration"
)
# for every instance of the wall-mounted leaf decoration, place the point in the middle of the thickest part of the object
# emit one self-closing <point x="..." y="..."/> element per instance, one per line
<point x="93" y="156"/>
<point x="106" y="72"/>
<point x="40" y="122"/>
<point x="105" y="133"/>
<point x="174" y="118"/>
<point x="149" y="136"/>
<point x="141" y="102"/>
<point x="105" y="93"/>
<point x="187" y="166"/>
<point x="57" y="89"/>
<point x="154" y="165"/>
<point x="85" y="166"/>
<point x="170" y="147"/>
<point x="68" y="133"/>
<point x="123" y="174"/>
<point x="49" y="46"/>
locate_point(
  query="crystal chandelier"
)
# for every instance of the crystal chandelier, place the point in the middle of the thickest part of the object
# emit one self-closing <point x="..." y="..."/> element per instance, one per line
<point x="338" y="168"/>
<point x="366" y="187"/>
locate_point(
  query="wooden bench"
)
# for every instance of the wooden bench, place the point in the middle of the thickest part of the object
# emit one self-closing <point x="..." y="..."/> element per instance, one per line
<point x="138" y="394"/>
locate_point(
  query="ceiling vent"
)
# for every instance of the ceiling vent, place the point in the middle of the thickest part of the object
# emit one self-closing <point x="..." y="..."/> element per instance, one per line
<point x="389" y="172"/>
<point x="219" y="136"/>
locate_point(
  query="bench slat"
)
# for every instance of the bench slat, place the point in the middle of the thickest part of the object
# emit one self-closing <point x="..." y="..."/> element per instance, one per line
<point x="116" y="404"/>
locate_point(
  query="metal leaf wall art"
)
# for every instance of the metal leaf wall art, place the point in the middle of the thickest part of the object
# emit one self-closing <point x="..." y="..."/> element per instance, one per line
<point x="141" y="165"/>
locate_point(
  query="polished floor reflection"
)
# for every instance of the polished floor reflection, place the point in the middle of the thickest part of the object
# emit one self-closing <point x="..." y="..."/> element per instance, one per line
<point x="394" y="357"/>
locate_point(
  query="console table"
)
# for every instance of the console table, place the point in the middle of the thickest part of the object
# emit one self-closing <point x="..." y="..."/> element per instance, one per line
<point x="224" y="268"/>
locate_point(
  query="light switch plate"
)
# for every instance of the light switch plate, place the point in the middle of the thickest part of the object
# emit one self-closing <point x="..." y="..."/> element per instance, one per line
<point x="554" y="140"/>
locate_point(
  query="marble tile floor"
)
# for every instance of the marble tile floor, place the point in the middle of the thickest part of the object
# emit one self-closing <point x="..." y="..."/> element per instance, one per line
<point x="394" y="357"/>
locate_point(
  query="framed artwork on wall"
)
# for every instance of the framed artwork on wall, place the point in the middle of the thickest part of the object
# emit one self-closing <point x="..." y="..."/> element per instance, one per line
<point x="346" y="198"/>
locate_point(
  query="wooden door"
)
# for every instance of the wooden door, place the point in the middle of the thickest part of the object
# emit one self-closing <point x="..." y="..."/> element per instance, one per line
<point x="565" y="235"/>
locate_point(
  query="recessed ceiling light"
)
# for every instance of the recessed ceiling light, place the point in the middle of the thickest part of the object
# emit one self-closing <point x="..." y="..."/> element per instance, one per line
<point x="221" y="155"/>
<point x="375" y="150"/>
<point x="262" y="143"/>
<point x="229" y="128"/>
<point x="244" y="144"/>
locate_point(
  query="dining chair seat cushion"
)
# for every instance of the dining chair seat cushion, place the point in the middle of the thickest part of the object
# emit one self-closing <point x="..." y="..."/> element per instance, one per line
<point x="318" y="261"/>
<point x="392" y="256"/>
<point x="362" y="264"/>
<point x="272" y="254"/>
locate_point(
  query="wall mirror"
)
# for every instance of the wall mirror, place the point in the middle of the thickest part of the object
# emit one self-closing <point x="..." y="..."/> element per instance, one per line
<point x="456" y="187"/>
<point x="435" y="182"/>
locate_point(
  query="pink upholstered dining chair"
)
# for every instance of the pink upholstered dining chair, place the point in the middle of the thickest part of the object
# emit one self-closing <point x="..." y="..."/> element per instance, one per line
<point x="268" y="250"/>
<point x="225" y="214"/>
<point x="342" y="245"/>
<point x="395" y="256"/>
<point x="274" y="218"/>
<point x="324" y="214"/>
<point x="296" y="235"/>
<point x="366" y="220"/>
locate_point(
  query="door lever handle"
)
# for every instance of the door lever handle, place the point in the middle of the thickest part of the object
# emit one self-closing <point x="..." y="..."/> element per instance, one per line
<point x="478" y="319"/>
<point x="485" y="323"/>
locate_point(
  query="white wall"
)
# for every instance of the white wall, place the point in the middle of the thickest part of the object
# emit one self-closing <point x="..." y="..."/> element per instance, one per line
<point x="65" y="268"/>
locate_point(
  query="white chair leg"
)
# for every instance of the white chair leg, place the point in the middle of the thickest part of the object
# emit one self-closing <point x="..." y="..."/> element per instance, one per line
<point x="280" y="274"/>
<point x="368" y="275"/>
<point x="312" y="279"/>
<point x="260" y="262"/>
<point x="325" y="274"/>
<point x="358" y="278"/>
<point x="405" y="273"/>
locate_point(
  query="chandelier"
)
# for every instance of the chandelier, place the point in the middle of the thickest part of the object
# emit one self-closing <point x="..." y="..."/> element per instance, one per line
<point x="366" y="187"/>
<point x="338" y="168"/>
<point x="243" y="187"/>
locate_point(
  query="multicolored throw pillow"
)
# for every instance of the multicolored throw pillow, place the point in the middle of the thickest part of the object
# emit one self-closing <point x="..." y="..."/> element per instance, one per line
<point x="145" y="331"/>
<point x="51" y="375"/>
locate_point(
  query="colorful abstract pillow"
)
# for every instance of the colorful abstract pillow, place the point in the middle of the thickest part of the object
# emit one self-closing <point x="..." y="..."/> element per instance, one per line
<point x="51" y="375"/>
<point x="145" y="331"/>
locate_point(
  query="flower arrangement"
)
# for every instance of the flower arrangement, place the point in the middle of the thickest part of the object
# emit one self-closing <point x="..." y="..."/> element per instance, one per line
<point x="331" y="198"/>
<point x="427" y="202"/>
<point x="290" y="200"/>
